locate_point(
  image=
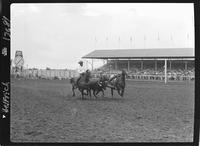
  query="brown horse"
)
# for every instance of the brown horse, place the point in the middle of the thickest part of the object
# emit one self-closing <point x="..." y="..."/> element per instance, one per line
<point x="118" y="82"/>
<point x="95" y="85"/>
<point x="98" y="85"/>
<point x="73" y="81"/>
<point x="81" y="84"/>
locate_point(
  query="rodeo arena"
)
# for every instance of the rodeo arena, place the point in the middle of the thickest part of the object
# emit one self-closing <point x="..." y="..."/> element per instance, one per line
<point x="154" y="102"/>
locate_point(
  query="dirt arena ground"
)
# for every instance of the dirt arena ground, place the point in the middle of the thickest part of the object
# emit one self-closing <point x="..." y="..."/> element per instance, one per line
<point x="45" y="111"/>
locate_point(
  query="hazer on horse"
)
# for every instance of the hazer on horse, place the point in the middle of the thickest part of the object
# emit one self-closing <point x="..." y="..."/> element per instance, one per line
<point x="118" y="82"/>
<point x="88" y="84"/>
<point x="85" y="83"/>
<point x="75" y="80"/>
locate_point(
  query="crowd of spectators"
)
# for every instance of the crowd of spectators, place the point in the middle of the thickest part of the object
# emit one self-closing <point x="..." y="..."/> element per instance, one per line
<point x="173" y="74"/>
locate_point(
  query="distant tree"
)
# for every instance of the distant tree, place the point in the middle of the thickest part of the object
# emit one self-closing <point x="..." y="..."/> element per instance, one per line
<point x="47" y="68"/>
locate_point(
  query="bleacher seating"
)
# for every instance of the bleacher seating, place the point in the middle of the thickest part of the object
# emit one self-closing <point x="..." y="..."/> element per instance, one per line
<point x="177" y="71"/>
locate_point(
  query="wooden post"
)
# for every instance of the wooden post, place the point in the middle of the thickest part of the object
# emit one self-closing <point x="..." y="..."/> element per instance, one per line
<point x="185" y="65"/>
<point x="170" y="65"/>
<point x="141" y="65"/>
<point x="155" y="65"/>
<point x="115" y="64"/>
<point x="92" y="63"/>
<point x="128" y="65"/>
<point x="165" y="71"/>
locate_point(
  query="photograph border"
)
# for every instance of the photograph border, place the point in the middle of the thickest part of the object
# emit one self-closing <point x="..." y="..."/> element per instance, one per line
<point x="5" y="65"/>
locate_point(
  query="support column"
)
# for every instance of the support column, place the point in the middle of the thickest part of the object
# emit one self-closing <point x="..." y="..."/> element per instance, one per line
<point x="141" y="65"/>
<point x="92" y="63"/>
<point x="165" y="71"/>
<point x="155" y="65"/>
<point x="185" y="65"/>
<point x="128" y="65"/>
<point x="115" y="64"/>
<point x="170" y="65"/>
<point x="106" y="62"/>
<point x="87" y="64"/>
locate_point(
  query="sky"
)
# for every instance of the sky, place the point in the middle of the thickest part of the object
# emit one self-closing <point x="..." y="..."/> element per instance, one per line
<point x="58" y="35"/>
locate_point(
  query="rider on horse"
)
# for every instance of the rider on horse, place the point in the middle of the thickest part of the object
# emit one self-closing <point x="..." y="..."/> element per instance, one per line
<point x="117" y="76"/>
<point x="81" y="71"/>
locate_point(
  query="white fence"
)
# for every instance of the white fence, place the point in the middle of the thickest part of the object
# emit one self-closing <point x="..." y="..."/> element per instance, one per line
<point x="46" y="74"/>
<point x="66" y="74"/>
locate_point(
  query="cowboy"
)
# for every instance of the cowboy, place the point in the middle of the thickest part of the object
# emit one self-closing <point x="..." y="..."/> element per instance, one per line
<point x="80" y="70"/>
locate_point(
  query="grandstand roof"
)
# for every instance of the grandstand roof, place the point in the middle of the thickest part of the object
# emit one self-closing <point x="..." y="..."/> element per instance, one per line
<point x="141" y="53"/>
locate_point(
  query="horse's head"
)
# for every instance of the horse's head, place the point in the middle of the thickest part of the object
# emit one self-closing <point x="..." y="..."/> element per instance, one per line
<point x="88" y="73"/>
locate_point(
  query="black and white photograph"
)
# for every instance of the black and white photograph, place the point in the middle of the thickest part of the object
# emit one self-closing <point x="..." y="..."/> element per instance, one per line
<point x="102" y="72"/>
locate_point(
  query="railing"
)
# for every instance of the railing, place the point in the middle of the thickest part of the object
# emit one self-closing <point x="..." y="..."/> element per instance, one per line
<point x="161" y="77"/>
<point x="44" y="74"/>
<point x="65" y="74"/>
<point x="155" y="77"/>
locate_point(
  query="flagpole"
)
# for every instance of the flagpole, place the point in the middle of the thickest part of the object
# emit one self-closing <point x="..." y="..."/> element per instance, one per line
<point x="119" y="42"/>
<point x="188" y="42"/>
<point x="131" y="41"/>
<point x="158" y="39"/>
<point x="107" y="42"/>
<point x="171" y="38"/>
<point x="95" y="41"/>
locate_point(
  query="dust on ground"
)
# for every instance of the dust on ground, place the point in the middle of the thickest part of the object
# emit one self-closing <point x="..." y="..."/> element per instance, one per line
<point x="45" y="111"/>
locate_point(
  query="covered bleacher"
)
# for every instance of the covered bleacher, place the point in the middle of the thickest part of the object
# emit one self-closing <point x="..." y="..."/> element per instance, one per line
<point x="151" y="64"/>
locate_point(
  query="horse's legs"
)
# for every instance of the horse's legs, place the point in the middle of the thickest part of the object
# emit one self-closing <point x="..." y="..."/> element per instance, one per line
<point x="112" y="92"/>
<point x="94" y="93"/>
<point x="122" y="93"/>
<point x="102" y="92"/>
<point x="97" y="92"/>
<point x="118" y="90"/>
<point x="82" y="93"/>
<point x="89" y="91"/>
<point x="73" y="91"/>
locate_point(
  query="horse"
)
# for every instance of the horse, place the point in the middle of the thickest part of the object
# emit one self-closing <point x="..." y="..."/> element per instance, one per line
<point x="81" y="84"/>
<point x="73" y="81"/>
<point x="118" y="83"/>
<point x="97" y="85"/>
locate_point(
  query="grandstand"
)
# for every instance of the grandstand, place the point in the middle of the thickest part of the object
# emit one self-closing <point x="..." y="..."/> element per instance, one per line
<point x="163" y="64"/>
